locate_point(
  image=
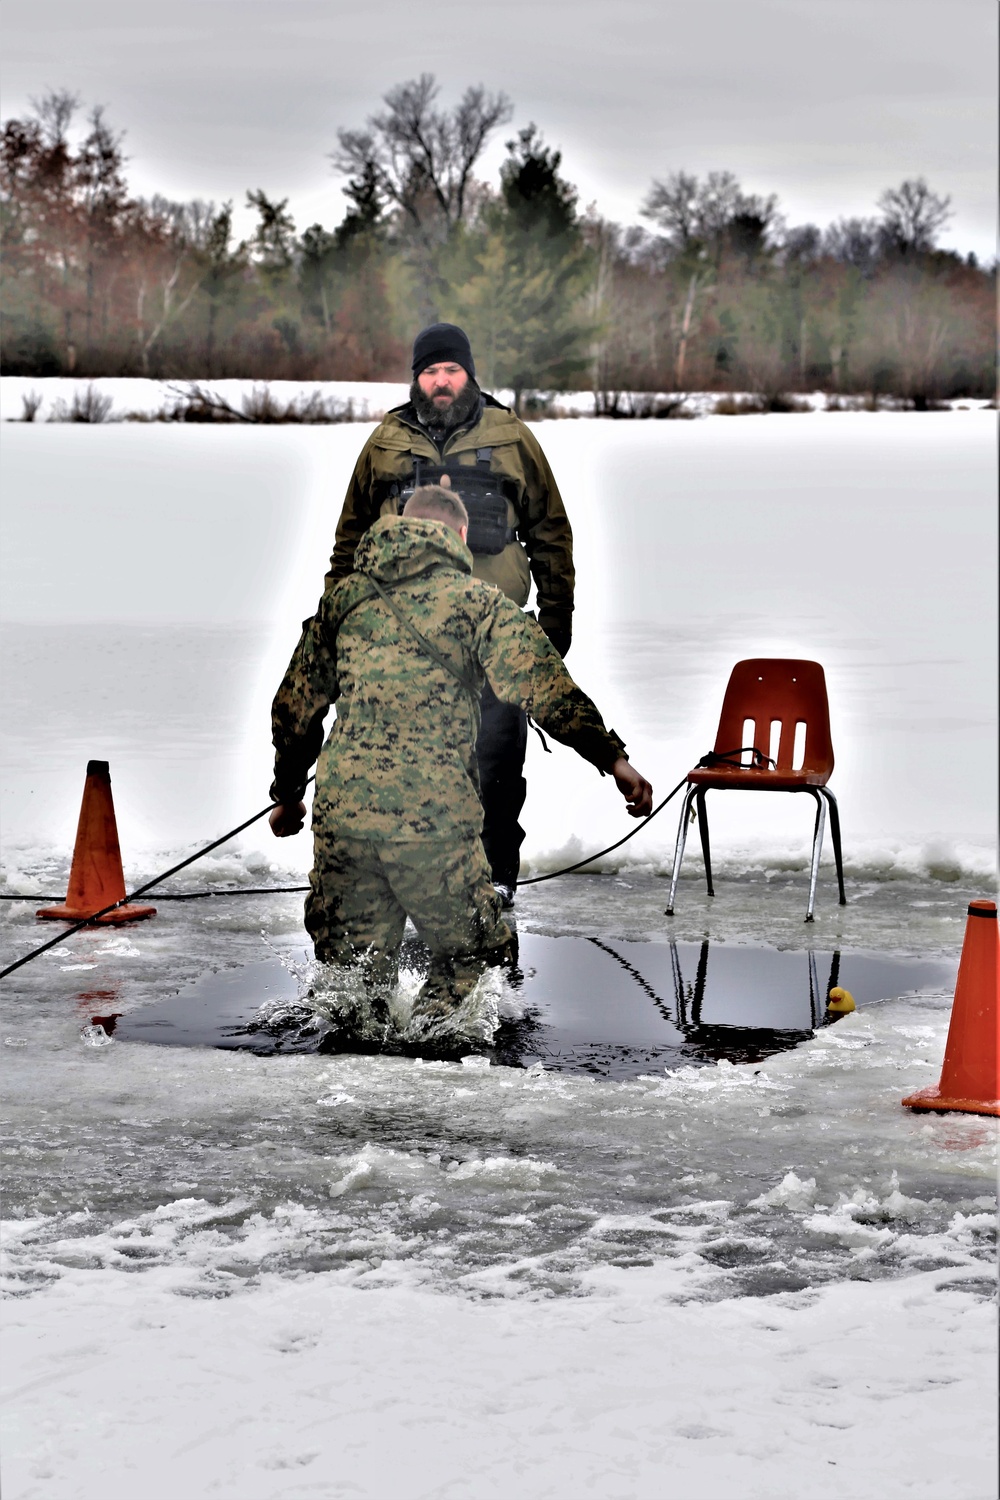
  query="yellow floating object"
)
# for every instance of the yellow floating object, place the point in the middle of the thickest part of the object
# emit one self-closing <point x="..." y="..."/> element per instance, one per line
<point x="840" y="1000"/>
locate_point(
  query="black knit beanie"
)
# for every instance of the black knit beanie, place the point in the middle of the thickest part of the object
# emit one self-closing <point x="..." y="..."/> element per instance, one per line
<point x="442" y="343"/>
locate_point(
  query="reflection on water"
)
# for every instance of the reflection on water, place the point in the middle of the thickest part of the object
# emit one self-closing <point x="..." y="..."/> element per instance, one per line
<point x="86" y="1001"/>
<point x="578" y="1005"/>
<point x="633" y="1006"/>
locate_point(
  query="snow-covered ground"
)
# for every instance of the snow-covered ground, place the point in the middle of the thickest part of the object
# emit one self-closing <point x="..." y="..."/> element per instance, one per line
<point x="130" y="398"/>
<point x="311" y="1389"/>
<point x="270" y="1277"/>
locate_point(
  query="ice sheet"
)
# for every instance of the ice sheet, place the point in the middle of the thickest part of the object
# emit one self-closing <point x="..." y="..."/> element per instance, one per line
<point x="728" y="1273"/>
<point x="693" y="550"/>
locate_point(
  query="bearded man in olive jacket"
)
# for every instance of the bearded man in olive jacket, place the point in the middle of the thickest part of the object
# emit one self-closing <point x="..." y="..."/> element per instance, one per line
<point x="453" y="433"/>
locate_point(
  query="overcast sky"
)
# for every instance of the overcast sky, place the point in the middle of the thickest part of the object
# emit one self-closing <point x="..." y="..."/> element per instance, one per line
<point x="825" y="102"/>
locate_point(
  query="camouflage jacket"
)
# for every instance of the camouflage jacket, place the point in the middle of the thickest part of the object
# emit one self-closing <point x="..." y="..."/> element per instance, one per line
<point x="544" y="546"/>
<point x="400" y="760"/>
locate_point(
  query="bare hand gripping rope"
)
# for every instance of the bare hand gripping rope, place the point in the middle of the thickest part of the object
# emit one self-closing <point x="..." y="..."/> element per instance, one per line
<point x="713" y="758"/>
<point x="276" y="890"/>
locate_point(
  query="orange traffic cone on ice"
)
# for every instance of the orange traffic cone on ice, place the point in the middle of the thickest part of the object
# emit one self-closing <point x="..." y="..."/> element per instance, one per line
<point x="969" y="1079"/>
<point x="96" y="879"/>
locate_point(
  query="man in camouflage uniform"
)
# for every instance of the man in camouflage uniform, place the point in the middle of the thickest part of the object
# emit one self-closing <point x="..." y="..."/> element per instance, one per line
<point x="519" y="532"/>
<point x="403" y="646"/>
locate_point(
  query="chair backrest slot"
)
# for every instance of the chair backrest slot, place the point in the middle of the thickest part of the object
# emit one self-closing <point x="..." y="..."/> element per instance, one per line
<point x="799" y="747"/>
<point x="748" y="741"/>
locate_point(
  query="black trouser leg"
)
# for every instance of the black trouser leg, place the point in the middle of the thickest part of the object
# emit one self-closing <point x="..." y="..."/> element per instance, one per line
<point x="500" y="750"/>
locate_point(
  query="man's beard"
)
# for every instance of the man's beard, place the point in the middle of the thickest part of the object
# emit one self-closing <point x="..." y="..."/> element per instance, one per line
<point x="429" y="414"/>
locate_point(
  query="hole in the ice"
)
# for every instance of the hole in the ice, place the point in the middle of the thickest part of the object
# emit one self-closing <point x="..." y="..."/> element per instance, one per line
<point x="775" y="740"/>
<point x="613" y="1009"/>
<point x="799" y="746"/>
<point x="749" y="730"/>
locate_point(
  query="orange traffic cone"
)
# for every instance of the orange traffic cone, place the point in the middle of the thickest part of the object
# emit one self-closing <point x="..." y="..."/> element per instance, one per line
<point x="96" y="879"/>
<point x="969" y="1077"/>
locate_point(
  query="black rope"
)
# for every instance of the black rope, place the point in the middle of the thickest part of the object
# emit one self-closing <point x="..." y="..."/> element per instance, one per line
<point x="139" y="890"/>
<point x="536" y="879"/>
<point x="233" y="890"/>
<point x="275" y="890"/>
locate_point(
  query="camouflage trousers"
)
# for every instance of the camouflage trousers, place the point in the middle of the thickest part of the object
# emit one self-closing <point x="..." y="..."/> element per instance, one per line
<point x="362" y="891"/>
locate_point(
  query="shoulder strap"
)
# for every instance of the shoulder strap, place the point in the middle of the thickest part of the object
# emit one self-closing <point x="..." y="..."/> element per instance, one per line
<point x="425" y="645"/>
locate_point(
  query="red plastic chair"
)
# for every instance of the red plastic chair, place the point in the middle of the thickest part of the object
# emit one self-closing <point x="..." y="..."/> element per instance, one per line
<point x="768" y="692"/>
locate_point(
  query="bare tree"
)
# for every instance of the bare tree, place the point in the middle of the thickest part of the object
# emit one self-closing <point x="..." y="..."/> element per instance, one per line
<point x="673" y="207"/>
<point x="421" y="156"/>
<point x="166" y="240"/>
<point x="803" y="245"/>
<point x="912" y="216"/>
<point x="855" y="242"/>
<point x="692" y="213"/>
<point x="190" y="223"/>
<point x="54" y="112"/>
<point x="703" y="217"/>
<point x="685" y="332"/>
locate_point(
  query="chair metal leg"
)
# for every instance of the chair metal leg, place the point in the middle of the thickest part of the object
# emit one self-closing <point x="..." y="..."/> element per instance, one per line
<point x="815" y="1009"/>
<point x="703" y="831"/>
<point x="675" y="967"/>
<point x="817" y="850"/>
<point x="835" y="835"/>
<point x="701" y="974"/>
<point x="682" y="829"/>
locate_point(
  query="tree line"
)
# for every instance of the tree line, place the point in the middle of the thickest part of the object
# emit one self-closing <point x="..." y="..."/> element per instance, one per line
<point x="719" y="292"/>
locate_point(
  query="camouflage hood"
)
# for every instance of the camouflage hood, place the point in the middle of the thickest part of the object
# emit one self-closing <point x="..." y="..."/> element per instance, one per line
<point x="397" y="548"/>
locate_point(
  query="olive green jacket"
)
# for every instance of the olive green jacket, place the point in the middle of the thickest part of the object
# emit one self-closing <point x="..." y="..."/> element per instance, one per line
<point x="544" y="548"/>
<point x="400" y="761"/>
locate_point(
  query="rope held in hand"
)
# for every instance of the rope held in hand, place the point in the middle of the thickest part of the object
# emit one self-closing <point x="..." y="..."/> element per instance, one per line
<point x="174" y="869"/>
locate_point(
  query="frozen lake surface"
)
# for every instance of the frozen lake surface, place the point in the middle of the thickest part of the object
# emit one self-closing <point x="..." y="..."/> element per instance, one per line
<point x="752" y="1277"/>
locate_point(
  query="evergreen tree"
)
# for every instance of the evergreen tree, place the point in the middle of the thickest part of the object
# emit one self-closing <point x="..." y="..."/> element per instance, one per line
<point x="319" y="259"/>
<point x="224" y="268"/>
<point x="527" y="271"/>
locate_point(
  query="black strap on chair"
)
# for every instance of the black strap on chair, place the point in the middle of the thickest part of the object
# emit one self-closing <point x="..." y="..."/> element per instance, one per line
<point x="760" y="761"/>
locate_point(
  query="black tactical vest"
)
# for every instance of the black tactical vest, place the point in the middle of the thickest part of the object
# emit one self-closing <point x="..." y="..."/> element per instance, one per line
<point x="481" y="492"/>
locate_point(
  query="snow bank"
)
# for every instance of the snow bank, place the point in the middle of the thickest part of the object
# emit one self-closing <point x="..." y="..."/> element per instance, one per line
<point x="359" y="401"/>
<point x="354" y="400"/>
